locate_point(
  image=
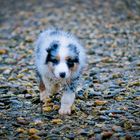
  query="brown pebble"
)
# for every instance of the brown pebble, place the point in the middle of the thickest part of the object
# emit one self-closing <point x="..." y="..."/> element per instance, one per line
<point x="107" y="134"/>
<point x="21" y="120"/>
<point x="128" y="137"/>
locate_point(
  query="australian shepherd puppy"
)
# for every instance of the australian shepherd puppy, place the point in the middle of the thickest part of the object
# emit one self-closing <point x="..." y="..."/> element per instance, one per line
<point x="60" y="60"/>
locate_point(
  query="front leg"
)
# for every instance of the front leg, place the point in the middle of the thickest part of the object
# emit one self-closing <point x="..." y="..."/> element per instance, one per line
<point x="67" y="101"/>
<point x="68" y="97"/>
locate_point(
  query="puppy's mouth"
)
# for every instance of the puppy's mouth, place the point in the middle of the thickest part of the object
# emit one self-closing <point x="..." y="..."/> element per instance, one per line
<point x="57" y="78"/>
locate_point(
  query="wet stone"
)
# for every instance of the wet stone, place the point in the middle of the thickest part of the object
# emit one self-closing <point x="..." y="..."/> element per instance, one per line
<point x="86" y="132"/>
<point x="23" y="121"/>
<point x="97" y="130"/>
<point x="106" y="134"/>
<point x="103" y="118"/>
<point x="98" y="137"/>
<point x="90" y="122"/>
<point x="16" y="104"/>
<point x="136" y="94"/>
<point x="28" y="96"/>
<point x="137" y="134"/>
<point x="42" y="133"/>
<point x="116" y="128"/>
<point x="94" y="93"/>
<point x="70" y="136"/>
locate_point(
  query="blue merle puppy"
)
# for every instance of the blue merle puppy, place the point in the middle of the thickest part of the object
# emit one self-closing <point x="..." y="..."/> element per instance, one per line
<point x="60" y="60"/>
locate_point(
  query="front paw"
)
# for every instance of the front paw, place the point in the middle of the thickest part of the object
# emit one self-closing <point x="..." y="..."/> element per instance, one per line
<point x="65" y="110"/>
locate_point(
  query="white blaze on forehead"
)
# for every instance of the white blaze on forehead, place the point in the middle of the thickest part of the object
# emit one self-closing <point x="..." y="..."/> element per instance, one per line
<point x="63" y="53"/>
<point x="63" y="49"/>
<point x="64" y="40"/>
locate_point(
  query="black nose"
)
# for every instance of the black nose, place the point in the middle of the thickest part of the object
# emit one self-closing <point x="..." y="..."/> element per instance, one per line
<point x="62" y="74"/>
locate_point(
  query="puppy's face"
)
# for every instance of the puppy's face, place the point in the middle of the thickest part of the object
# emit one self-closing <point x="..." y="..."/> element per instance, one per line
<point x="62" y="61"/>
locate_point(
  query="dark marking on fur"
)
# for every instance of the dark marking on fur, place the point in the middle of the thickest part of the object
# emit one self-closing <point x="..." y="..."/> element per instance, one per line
<point x="72" y="85"/>
<point x="74" y="56"/>
<point x="53" y="46"/>
<point x="52" y="53"/>
<point x="72" y="61"/>
<point x="73" y="49"/>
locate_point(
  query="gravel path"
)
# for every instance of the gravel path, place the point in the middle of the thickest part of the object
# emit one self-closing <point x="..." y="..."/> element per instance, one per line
<point x="107" y="104"/>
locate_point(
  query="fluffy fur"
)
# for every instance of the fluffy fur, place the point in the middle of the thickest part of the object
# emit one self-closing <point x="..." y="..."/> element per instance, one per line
<point x="60" y="60"/>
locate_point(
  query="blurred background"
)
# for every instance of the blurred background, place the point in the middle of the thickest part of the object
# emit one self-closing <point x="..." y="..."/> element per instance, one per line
<point x="107" y="105"/>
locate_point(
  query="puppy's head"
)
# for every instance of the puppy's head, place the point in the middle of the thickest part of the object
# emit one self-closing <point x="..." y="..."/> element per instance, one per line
<point x="62" y="60"/>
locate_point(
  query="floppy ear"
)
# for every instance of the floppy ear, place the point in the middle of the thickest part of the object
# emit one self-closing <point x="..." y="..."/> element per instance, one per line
<point x="73" y="48"/>
<point x="52" y="50"/>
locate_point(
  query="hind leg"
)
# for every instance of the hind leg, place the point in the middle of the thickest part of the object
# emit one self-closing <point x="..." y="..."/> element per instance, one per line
<point x="43" y="94"/>
<point x="47" y="88"/>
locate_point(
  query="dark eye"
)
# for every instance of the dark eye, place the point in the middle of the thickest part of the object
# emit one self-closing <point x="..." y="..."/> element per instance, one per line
<point x="70" y="63"/>
<point x="54" y="46"/>
<point x="54" y="61"/>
